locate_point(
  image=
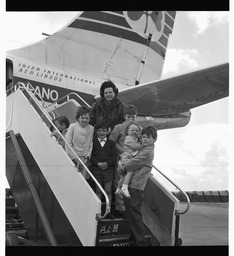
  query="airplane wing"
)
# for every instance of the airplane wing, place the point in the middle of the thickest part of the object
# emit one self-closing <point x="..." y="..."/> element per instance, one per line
<point x="179" y="94"/>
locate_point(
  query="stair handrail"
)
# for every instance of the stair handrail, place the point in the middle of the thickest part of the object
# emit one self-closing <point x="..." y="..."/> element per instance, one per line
<point x="32" y="90"/>
<point x="45" y="114"/>
<point x="187" y="198"/>
<point x="67" y="97"/>
<point x="33" y="190"/>
<point x="99" y="216"/>
<point x="44" y="104"/>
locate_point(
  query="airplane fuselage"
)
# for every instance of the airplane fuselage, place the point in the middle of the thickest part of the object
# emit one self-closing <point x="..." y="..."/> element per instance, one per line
<point x="53" y="82"/>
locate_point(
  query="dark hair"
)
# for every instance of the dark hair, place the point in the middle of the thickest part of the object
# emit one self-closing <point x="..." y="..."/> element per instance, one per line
<point x="108" y="84"/>
<point x="102" y="125"/>
<point x="130" y="110"/>
<point x="82" y="110"/>
<point x="61" y="120"/>
<point x="129" y="124"/>
<point x="150" y="130"/>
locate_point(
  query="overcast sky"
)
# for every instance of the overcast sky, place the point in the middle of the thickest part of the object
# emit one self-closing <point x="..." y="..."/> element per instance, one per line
<point x="196" y="156"/>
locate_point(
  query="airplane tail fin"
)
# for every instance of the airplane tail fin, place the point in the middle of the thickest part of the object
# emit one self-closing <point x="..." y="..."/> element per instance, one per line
<point x="127" y="47"/>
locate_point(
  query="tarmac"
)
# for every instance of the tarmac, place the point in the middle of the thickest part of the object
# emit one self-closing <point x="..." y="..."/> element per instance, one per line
<point x="205" y="224"/>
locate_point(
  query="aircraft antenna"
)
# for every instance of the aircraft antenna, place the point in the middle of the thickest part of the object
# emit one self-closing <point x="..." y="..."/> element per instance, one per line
<point x="45" y="34"/>
<point x="145" y="52"/>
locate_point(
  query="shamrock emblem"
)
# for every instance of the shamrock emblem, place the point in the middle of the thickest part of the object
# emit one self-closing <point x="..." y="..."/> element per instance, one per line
<point x="155" y="16"/>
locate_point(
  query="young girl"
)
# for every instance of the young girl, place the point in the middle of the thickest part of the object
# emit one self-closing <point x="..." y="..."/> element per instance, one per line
<point x="131" y="146"/>
<point x="80" y="137"/>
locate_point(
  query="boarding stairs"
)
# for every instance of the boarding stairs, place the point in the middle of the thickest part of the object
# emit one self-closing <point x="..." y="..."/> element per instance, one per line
<point x="56" y="204"/>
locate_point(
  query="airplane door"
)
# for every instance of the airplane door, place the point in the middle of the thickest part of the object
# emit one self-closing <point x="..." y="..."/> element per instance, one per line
<point x="9" y="74"/>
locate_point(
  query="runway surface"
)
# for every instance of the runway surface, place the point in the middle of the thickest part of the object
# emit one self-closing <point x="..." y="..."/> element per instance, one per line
<point x="205" y="224"/>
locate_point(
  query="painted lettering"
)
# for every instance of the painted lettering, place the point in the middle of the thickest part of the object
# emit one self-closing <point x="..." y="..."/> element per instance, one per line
<point x="115" y="228"/>
<point x="37" y="90"/>
<point x="50" y="74"/>
<point x="107" y="229"/>
<point x="121" y="244"/>
<point x="45" y="93"/>
<point x="54" y="95"/>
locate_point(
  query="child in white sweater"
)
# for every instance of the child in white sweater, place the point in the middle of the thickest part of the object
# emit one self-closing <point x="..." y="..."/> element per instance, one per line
<point x="80" y="137"/>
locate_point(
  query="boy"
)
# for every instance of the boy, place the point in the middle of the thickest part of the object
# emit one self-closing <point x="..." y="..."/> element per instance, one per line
<point x="103" y="159"/>
<point x="141" y="166"/>
<point x="118" y="135"/>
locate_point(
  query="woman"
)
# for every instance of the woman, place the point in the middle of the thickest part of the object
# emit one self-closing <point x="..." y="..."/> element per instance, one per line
<point x="108" y="108"/>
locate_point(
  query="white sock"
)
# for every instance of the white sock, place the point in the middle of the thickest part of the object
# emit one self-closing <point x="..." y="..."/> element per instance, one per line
<point x="125" y="186"/>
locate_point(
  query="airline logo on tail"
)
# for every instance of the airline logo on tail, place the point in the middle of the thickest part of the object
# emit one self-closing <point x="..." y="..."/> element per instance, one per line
<point x="131" y="25"/>
<point x="145" y="22"/>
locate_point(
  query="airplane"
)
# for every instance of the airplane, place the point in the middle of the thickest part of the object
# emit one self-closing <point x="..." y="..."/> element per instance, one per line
<point x="127" y="47"/>
<point x="133" y="59"/>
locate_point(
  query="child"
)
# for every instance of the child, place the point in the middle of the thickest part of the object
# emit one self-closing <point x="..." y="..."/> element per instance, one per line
<point x="62" y="123"/>
<point x="118" y="136"/>
<point x="131" y="147"/>
<point x="141" y="166"/>
<point x="103" y="159"/>
<point x="80" y="138"/>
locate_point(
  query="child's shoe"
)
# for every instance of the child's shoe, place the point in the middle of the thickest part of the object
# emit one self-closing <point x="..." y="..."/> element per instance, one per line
<point x="125" y="192"/>
<point x="118" y="192"/>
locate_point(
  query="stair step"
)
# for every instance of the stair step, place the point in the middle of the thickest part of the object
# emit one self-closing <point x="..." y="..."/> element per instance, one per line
<point x="114" y="241"/>
<point x="115" y="232"/>
<point x="119" y="240"/>
<point x="10" y="201"/>
<point x="20" y="232"/>
<point x="114" y="238"/>
<point x="12" y="212"/>
<point x="11" y="226"/>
